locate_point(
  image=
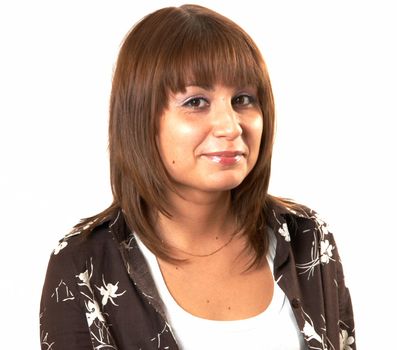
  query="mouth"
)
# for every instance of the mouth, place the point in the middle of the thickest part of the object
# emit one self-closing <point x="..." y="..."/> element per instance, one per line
<point x="225" y="157"/>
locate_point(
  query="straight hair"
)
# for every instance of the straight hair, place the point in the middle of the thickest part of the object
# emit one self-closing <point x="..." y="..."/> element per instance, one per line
<point x="162" y="54"/>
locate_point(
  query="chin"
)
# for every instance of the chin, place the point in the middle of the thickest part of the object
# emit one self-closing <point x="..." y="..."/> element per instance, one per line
<point x="225" y="184"/>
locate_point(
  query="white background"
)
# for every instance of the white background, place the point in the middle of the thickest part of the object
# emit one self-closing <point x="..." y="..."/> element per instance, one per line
<point x="333" y="68"/>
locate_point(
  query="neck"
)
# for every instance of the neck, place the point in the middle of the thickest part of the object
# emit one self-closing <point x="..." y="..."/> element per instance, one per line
<point x="199" y="224"/>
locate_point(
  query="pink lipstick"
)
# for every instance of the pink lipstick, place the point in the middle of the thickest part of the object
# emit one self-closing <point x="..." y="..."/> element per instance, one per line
<point x="225" y="158"/>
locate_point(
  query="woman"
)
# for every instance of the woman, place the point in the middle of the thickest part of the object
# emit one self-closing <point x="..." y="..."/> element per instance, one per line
<point x="194" y="253"/>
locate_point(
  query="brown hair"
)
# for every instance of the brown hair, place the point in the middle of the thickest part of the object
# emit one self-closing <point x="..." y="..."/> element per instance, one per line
<point x="162" y="53"/>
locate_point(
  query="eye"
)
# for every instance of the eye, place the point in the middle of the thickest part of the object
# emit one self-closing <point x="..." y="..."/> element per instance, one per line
<point x="243" y="100"/>
<point x="196" y="103"/>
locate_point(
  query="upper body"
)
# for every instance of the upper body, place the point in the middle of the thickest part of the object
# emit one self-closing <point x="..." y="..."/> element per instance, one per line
<point x="99" y="290"/>
<point x="191" y="132"/>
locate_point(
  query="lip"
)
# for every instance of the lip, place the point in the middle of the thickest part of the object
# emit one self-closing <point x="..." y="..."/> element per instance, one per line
<point x="225" y="157"/>
<point x="225" y="153"/>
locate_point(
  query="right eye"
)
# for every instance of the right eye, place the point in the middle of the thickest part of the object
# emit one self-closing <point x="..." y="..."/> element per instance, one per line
<point x="196" y="103"/>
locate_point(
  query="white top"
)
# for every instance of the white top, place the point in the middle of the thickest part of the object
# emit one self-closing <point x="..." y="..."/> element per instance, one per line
<point x="274" y="328"/>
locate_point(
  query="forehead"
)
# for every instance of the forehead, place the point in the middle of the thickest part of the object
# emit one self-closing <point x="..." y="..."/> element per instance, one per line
<point x="206" y="58"/>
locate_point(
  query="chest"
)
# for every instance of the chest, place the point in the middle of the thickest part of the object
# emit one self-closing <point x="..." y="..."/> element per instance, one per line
<point x="219" y="291"/>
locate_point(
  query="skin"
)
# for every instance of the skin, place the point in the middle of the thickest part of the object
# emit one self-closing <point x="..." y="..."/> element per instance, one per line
<point x="201" y="121"/>
<point x="209" y="139"/>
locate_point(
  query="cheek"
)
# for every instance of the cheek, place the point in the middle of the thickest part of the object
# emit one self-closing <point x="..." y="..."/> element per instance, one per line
<point x="254" y="140"/>
<point x="177" y="141"/>
<point x="255" y="132"/>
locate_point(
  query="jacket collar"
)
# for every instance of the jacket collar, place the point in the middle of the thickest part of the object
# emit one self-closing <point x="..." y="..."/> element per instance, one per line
<point x="135" y="262"/>
<point x="281" y="221"/>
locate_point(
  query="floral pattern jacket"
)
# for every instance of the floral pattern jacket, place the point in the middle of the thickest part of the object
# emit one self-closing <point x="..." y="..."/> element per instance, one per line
<point x="99" y="293"/>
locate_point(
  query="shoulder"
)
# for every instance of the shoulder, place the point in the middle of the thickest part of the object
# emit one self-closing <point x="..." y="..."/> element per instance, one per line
<point x="73" y="252"/>
<point x="304" y="219"/>
<point x="297" y="219"/>
<point x="78" y="242"/>
<point x="304" y="231"/>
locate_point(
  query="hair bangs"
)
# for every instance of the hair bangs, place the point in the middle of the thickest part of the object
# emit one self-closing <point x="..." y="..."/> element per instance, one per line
<point x="212" y="55"/>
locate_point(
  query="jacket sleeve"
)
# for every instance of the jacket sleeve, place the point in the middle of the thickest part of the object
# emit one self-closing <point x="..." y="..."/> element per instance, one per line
<point x="63" y="324"/>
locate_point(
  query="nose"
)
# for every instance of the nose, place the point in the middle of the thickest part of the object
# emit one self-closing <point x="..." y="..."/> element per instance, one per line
<point x="226" y="122"/>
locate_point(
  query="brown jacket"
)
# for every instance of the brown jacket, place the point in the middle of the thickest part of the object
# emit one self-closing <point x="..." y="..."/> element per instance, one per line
<point x="99" y="293"/>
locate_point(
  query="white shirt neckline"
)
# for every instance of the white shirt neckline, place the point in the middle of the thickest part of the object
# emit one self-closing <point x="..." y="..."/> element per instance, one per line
<point x="186" y="327"/>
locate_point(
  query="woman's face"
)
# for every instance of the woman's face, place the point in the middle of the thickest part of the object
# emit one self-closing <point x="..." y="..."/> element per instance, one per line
<point x="209" y="137"/>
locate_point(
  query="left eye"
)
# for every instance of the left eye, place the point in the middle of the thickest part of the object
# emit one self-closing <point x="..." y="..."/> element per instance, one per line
<point x="243" y="100"/>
